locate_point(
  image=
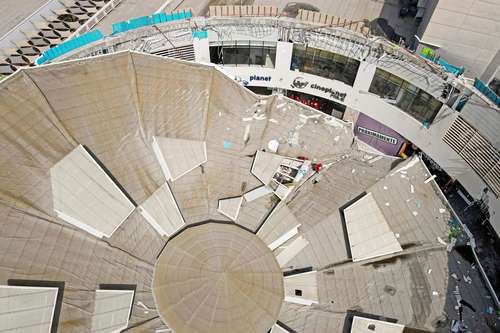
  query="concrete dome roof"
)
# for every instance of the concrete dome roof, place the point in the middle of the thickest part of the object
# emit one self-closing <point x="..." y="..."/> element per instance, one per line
<point x="218" y="277"/>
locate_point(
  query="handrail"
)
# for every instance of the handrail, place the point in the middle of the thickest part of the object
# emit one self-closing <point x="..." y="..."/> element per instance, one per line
<point x="68" y="46"/>
<point x="486" y="91"/>
<point x="96" y="18"/>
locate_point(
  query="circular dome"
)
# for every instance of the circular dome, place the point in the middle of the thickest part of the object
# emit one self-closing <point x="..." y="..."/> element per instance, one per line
<point x="217" y="278"/>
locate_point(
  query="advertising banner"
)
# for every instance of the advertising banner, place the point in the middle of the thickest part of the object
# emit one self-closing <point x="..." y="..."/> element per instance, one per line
<point x="380" y="137"/>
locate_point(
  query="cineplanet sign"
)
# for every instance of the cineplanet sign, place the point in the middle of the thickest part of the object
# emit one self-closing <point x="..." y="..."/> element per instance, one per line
<point x="299" y="83"/>
<point x="333" y="93"/>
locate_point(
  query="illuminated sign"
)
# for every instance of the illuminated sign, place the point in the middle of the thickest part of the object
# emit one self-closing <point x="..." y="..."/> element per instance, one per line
<point x="378" y="135"/>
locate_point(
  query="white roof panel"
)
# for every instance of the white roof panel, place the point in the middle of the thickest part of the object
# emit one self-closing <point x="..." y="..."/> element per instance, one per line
<point x="177" y="157"/>
<point x="265" y="165"/>
<point x="307" y="283"/>
<point x="85" y="196"/>
<point x="297" y="245"/>
<point x="369" y="233"/>
<point x="366" y="325"/>
<point x="111" y="310"/>
<point x="162" y="212"/>
<point x="27" y="309"/>
<point x="230" y="207"/>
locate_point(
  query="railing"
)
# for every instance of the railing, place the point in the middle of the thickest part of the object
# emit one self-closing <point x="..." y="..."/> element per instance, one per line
<point x="145" y="21"/>
<point x="96" y="18"/>
<point x="446" y="65"/>
<point x="69" y="46"/>
<point x="486" y="91"/>
<point x="355" y="44"/>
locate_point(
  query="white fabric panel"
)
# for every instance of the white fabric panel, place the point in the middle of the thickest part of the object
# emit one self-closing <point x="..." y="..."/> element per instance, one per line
<point x="27" y="309"/>
<point x="111" y="310"/>
<point x="177" y="157"/>
<point x="162" y="212"/>
<point x="297" y="245"/>
<point x="265" y="166"/>
<point x="230" y="207"/>
<point x="279" y="222"/>
<point x="284" y="238"/>
<point x="369" y="233"/>
<point x="85" y="196"/>
<point x="360" y="325"/>
<point x="299" y="300"/>
<point x="257" y="193"/>
<point x="307" y="283"/>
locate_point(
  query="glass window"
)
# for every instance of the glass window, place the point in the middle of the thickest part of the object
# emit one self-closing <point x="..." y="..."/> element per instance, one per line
<point x="409" y="98"/>
<point x="256" y="53"/>
<point x="385" y="85"/>
<point x="324" y="63"/>
<point x="494" y="85"/>
<point x="244" y="53"/>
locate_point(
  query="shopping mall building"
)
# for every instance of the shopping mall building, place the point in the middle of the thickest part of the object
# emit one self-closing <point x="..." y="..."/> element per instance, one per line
<point x="226" y="173"/>
<point x="399" y="101"/>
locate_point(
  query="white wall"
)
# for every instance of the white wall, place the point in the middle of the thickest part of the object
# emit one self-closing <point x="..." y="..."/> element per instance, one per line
<point x="201" y="50"/>
<point x="467" y="31"/>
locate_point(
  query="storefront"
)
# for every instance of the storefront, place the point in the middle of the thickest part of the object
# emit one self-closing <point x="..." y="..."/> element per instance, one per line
<point x="260" y="90"/>
<point x="243" y="53"/>
<point x="322" y="104"/>
<point x="380" y="137"/>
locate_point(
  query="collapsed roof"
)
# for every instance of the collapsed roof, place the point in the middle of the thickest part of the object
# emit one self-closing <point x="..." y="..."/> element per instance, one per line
<point x="111" y="109"/>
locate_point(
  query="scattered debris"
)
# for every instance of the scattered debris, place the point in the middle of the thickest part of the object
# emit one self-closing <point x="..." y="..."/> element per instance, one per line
<point x="441" y="241"/>
<point x="397" y="235"/>
<point x="417" y="204"/>
<point x="435" y="293"/>
<point x="429" y="179"/>
<point x="390" y="290"/>
<point x="273" y="121"/>
<point x="467" y="279"/>
<point x="454" y="275"/>
<point x="353" y="170"/>
<point x="442" y="210"/>
<point x="429" y="271"/>
<point x="410" y="164"/>
<point x="387" y="204"/>
<point x="227" y="144"/>
<point x="273" y="145"/>
<point x="412" y="188"/>
<point x="385" y="188"/>
<point x="415" y="213"/>
<point x="489" y="310"/>
<point x="246" y="135"/>
<point x="247" y="119"/>
<point x="142" y="305"/>
<point x="375" y="159"/>
<point x="336" y="139"/>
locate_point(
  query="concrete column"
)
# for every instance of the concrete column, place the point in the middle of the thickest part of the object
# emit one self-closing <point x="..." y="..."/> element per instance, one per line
<point x="283" y="56"/>
<point x="364" y="77"/>
<point x="201" y="50"/>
